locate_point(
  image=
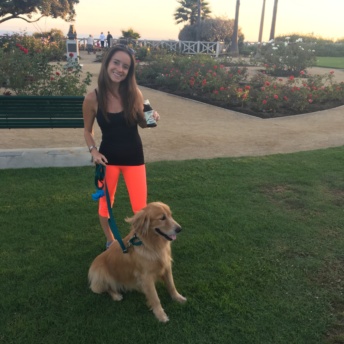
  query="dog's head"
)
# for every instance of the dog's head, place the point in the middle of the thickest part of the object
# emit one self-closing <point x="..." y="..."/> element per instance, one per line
<point x="155" y="220"/>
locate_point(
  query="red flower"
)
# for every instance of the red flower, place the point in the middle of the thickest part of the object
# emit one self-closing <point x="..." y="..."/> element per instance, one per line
<point x="267" y="83"/>
<point x="285" y="98"/>
<point x="244" y="96"/>
<point x="292" y="77"/>
<point x="71" y="54"/>
<point x="204" y="82"/>
<point x="52" y="78"/>
<point x="310" y="101"/>
<point x="332" y="72"/>
<point x="239" y="90"/>
<point x="222" y="88"/>
<point x="276" y="96"/>
<point x="302" y="72"/>
<point x="263" y="89"/>
<point x="215" y="91"/>
<point x="58" y="73"/>
<point x="215" y="67"/>
<point x="247" y="87"/>
<point x="264" y="101"/>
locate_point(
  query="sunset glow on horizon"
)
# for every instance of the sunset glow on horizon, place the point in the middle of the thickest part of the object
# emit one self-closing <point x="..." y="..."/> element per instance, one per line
<point x="154" y="20"/>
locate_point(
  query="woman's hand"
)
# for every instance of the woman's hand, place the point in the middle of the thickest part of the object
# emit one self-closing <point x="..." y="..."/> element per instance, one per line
<point x="156" y="116"/>
<point x="98" y="158"/>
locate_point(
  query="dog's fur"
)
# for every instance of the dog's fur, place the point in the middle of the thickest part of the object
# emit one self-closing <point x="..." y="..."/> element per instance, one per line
<point x="114" y="271"/>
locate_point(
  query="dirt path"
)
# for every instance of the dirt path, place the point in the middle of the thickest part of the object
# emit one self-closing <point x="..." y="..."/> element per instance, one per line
<point x="190" y="129"/>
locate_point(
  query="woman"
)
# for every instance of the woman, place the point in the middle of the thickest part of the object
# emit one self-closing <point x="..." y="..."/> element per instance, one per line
<point x="117" y="105"/>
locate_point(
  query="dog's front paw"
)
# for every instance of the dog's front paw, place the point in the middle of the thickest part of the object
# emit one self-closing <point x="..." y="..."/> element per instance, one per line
<point x="179" y="298"/>
<point x="161" y="315"/>
<point x="116" y="296"/>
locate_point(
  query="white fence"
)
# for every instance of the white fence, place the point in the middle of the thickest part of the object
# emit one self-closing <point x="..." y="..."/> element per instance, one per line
<point x="184" y="47"/>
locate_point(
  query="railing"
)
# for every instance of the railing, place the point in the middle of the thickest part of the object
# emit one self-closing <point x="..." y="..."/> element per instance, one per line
<point x="184" y="47"/>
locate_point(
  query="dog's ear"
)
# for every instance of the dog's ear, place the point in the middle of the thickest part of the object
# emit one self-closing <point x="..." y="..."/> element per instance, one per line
<point x="139" y="222"/>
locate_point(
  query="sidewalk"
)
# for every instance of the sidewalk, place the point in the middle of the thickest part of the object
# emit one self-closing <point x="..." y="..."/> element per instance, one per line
<point x="187" y="130"/>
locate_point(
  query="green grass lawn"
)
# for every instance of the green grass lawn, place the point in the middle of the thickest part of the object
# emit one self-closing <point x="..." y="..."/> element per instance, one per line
<point x="330" y="62"/>
<point x="260" y="257"/>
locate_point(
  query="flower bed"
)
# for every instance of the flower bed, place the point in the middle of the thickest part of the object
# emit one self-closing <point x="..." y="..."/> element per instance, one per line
<point x="232" y="87"/>
<point x="26" y="71"/>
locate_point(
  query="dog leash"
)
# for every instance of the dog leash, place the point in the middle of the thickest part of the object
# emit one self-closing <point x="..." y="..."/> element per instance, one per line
<point x="99" y="181"/>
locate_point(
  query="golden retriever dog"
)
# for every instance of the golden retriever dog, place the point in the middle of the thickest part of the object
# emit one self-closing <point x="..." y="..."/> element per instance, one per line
<point x="148" y="259"/>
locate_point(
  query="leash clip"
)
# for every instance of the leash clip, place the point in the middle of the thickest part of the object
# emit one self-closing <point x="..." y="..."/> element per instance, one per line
<point x="134" y="241"/>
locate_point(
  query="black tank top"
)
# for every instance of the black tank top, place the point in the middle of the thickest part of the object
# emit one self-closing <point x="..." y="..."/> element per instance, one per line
<point x="121" y="143"/>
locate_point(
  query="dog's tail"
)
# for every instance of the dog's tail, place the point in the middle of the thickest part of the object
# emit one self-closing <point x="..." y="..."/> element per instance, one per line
<point x="97" y="279"/>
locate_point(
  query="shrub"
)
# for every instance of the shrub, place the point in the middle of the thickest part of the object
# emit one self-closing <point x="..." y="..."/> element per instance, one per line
<point x="53" y="50"/>
<point x="263" y="95"/>
<point x="288" y="58"/>
<point x="330" y="49"/>
<point x="27" y="72"/>
<point x="196" y="76"/>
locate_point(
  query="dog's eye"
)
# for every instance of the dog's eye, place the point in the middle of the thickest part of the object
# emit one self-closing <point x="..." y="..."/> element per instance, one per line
<point x="163" y="218"/>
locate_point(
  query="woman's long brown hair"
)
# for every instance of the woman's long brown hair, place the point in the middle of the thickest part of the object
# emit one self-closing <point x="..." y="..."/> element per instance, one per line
<point x="133" y="109"/>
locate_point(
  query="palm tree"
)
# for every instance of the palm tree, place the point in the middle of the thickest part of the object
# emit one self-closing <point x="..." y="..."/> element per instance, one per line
<point x="199" y="9"/>
<point x="234" y="50"/>
<point x="260" y="37"/>
<point x="273" y="24"/>
<point x="188" y="11"/>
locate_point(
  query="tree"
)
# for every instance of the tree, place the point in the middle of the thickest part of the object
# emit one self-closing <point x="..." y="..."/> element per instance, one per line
<point x="27" y="9"/>
<point x="54" y="35"/>
<point x="212" y="30"/>
<point x="234" y="50"/>
<point x="130" y="34"/>
<point x="260" y="37"/>
<point x="188" y="11"/>
<point x="273" y="24"/>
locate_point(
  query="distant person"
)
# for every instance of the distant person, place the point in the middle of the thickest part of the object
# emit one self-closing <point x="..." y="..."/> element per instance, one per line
<point x="102" y="40"/>
<point x="109" y="39"/>
<point x="90" y="44"/>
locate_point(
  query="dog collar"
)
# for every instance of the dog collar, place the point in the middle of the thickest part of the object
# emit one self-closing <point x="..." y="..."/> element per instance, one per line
<point x="134" y="241"/>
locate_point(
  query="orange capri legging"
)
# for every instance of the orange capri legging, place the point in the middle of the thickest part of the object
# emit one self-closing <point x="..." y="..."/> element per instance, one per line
<point x="135" y="180"/>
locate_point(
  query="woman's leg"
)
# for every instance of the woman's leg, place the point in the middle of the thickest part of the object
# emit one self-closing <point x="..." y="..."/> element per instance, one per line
<point x="111" y="180"/>
<point x="136" y="182"/>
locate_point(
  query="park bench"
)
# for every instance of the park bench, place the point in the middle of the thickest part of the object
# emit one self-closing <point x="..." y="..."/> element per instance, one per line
<point x="41" y="112"/>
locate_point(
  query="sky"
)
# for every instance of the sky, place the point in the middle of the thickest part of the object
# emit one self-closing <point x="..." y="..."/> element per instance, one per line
<point x="154" y="20"/>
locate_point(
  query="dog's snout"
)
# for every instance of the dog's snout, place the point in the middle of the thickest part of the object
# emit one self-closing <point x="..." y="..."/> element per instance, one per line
<point x="178" y="229"/>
